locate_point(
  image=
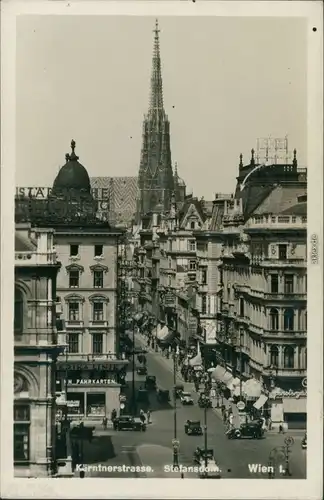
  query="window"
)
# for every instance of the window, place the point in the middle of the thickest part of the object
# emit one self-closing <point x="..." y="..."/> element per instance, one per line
<point x="74" y="311"/>
<point x="73" y="342"/>
<point x="191" y="245"/>
<point x="204" y="277"/>
<point x="170" y="262"/>
<point x="98" y="279"/>
<point x="204" y="304"/>
<point x="274" y="283"/>
<point x="192" y="265"/>
<point x="289" y="283"/>
<point x="74" y="250"/>
<point x="19" y="311"/>
<point x="305" y="320"/>
<point x="98" y="250"/>
<point x="306" y="283"/>
<point x="274" y="319"/>
<point x="97" y="343"/>
<point x="282" y="252"/>
<point x="192" y="225"/>
<point x="98" y="311"/>
<point x="74" y="277"/>
<point x="169" y="280"/>
<point x="241" y="307"/>
<point x="274" y="355"/>
<point x="96" y="404"/>
<point x="289" y="357"/>
<point x="21" y="432"/>
<point x="289" y="319"/>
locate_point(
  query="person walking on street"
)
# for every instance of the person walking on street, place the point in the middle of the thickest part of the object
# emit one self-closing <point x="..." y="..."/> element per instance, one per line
<point x="142" y="416"/>
<point x="148" y="415"/>
<point x="113" y="415"/>
<point x="104" y="422"/>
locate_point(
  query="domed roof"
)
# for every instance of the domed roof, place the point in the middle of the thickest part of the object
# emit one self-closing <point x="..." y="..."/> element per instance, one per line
<point x="72" y="175"/>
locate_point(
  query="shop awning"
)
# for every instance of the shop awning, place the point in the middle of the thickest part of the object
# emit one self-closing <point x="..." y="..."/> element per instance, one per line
<point x="196" y="361"/>
<point x="156" y="331"/>
<point x="260" y="402"/>
<point x="166" y="335"/>
<point x="252" y="389"/>
<point x="294" y="405"/>
<point x="222" y="375"/>
<point x="234" y="382"/>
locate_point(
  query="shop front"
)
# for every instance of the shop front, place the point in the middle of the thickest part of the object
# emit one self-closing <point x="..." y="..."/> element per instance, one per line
<point x="288" y="408"/>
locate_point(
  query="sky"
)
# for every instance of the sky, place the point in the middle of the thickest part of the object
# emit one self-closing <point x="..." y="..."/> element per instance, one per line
<point x="226" y="80"/>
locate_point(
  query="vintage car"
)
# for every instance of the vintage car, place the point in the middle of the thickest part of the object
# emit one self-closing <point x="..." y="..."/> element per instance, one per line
<point x="251" y="430"/>
<point x="186" y="398"/>
<point x="193" y="428"/>
<point x="127" y="422"/>
<point x="201" y="454"/>
<point x="163" y="396"/>
<point x="141" y="370"/>
<point x="142" y="396"/>
<point x="150" y="382"/>
<point x="304" y="442"/>
<point x="204" y="401"/>
<point x="213" y="471"/>
<point x="178" y="389"/>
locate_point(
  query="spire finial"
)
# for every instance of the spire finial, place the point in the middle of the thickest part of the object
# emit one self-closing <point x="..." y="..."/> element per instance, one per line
<point x="241" y="161"/>
<point x="156" y="77"/>
<point x="252" y="156"/>
<point x="73" y="156"/>
<point x="295" y="157"/>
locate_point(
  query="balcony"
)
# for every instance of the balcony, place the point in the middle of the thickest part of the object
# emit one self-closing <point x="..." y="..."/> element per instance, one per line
<point x="285" y="372"/>
<point x="35" y="259"/>
<point x="241" y="249"/>
<point x="286" y="296"/>
<point x="74" y="323"/>
<point x="98" y="324"/>
<point x="286" y="334"/>
<point x="272" y="222"/>
<point x="91" y="361"/>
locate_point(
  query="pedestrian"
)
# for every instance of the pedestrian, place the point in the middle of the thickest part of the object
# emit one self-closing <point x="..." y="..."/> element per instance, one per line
<point x="280" y="428"/>
<point x="148" y="415"/>
<point x="113" y="415"/>
<point x="104" y="422"/>
<point x="142" y="416"/>
<point x="269" y="424"/>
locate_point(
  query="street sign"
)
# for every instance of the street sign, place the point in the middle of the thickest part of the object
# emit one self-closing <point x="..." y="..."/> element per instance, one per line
<point x="240" y="405"/>
<point x="289" y="441"/>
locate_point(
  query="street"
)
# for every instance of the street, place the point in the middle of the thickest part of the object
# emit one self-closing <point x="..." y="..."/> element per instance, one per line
<point x="236" y="458"/>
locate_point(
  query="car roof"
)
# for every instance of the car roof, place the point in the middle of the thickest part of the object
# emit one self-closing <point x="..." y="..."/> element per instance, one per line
<point x="194" y="422"/>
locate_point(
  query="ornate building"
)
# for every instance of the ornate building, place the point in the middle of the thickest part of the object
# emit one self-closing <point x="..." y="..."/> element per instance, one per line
<point x="86" y="293"/>
<point x="37" y="345"/>
<point x="156" y="180"/>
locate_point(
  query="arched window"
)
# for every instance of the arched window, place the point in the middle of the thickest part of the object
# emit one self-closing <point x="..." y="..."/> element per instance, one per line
<point x="192" y="225"/>
<point x="19" y="311"/>
<point x="274" y="355"/>
<point x="289" y="319"/>
<point x="289" y="353"/>
<point x="274" y="319"/>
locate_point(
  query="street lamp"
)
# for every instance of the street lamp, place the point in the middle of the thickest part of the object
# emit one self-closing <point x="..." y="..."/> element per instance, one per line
<point x="241" y="364"/>
<point x="175" y="441"/>
<point x="283" y="451"/>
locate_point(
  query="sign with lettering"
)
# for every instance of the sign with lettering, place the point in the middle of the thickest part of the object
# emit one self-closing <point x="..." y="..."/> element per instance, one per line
<point x="86" y="366"/>
<point x="42" y="193"/>
<point x="73" y="404"/>
<point x="89" y="381"/>
<point x="290" y="394"/>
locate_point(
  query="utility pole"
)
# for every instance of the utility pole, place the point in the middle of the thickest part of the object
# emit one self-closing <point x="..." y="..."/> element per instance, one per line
<point x="175" y="440"/>
<point x="205" y="409"/>
<point x="241" y="365"/>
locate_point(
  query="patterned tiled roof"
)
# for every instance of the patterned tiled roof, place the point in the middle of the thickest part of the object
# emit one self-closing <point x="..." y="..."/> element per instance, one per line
<point x="122" y="193"/>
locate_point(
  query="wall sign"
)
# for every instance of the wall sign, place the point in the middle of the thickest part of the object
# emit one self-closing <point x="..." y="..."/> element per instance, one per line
<point x="290" y="394"/>
<point x="90" y="381"/>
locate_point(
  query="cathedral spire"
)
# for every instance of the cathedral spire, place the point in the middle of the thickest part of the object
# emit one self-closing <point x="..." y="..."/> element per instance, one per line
<point x="156" y="97"/>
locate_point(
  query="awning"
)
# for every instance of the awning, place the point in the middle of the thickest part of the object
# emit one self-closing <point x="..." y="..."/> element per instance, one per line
<point x="260" y="402"/>
<point x="234" y="382"/>
<point x="166" y="335"/>
<point x="252" y="389"/>
<point x="156" y="330"/>
<point x="138" y="316"/>
<point x="222" y="375"/>
<point x="294" y="405"/>
<point x="196" y="361"/>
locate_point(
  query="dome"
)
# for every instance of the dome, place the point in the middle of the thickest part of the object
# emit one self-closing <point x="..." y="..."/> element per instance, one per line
<point x="72" y="175"/>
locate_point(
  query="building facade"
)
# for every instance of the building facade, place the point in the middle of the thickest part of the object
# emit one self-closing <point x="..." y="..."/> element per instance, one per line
<point x="37" y="346"/>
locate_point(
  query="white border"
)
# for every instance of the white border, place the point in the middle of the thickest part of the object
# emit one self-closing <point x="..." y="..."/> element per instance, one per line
<point x="170" y="488"/>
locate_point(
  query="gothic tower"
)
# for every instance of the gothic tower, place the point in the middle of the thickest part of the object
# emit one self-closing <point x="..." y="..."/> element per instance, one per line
<point x="155" y="179"/>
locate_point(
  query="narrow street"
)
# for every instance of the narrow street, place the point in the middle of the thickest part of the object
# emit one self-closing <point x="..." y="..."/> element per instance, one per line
<point x="154" y="447"/>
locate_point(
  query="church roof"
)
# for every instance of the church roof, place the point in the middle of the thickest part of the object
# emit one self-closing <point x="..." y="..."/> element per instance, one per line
<point x="72" y="175"/>
<point x="297" y="209"/>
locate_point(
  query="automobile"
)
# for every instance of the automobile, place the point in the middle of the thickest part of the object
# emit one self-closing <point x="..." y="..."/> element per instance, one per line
<point x="178" y="389"/>
<point x="251" y="430"/>
<point x="141" y="370"/>
<point x="204" y="401"/>
<point x="186" y="398"/>
<point x="127" y="422"/>
<point x="193" y="428"/>
<point x="163" y="396"/>
<point x="150" y="382"/>
<point x="213" y="471"/>
<point x="142" y="396"/>
<point x="304" y="442"/>
<point x="201" y="454"/>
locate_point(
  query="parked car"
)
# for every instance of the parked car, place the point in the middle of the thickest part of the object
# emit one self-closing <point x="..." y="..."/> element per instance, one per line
<point x="141" y="370"/>
<point x="163" y="396"/>
<point x="251" y="430"/>
<point x="193" y="428"/>
<point x="304" y="442"/>
<point x="186" y="398"/>
<point x="150" y="382"/>
<point x="178" y="388"/>
<point x="127" y="422"/>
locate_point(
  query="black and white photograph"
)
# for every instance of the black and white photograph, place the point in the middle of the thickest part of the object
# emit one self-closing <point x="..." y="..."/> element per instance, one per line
<point x="161" y="195"/>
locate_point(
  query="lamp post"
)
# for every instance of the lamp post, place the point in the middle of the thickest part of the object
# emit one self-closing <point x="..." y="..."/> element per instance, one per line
<point x="241" y="364"/>
<point x="175" y="441"/>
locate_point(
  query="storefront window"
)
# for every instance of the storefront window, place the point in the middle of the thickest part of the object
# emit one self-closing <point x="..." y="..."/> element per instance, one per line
<point x="21" y="432"/>
<point x="75" y="403"/>
<point x="96" y="404"/>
